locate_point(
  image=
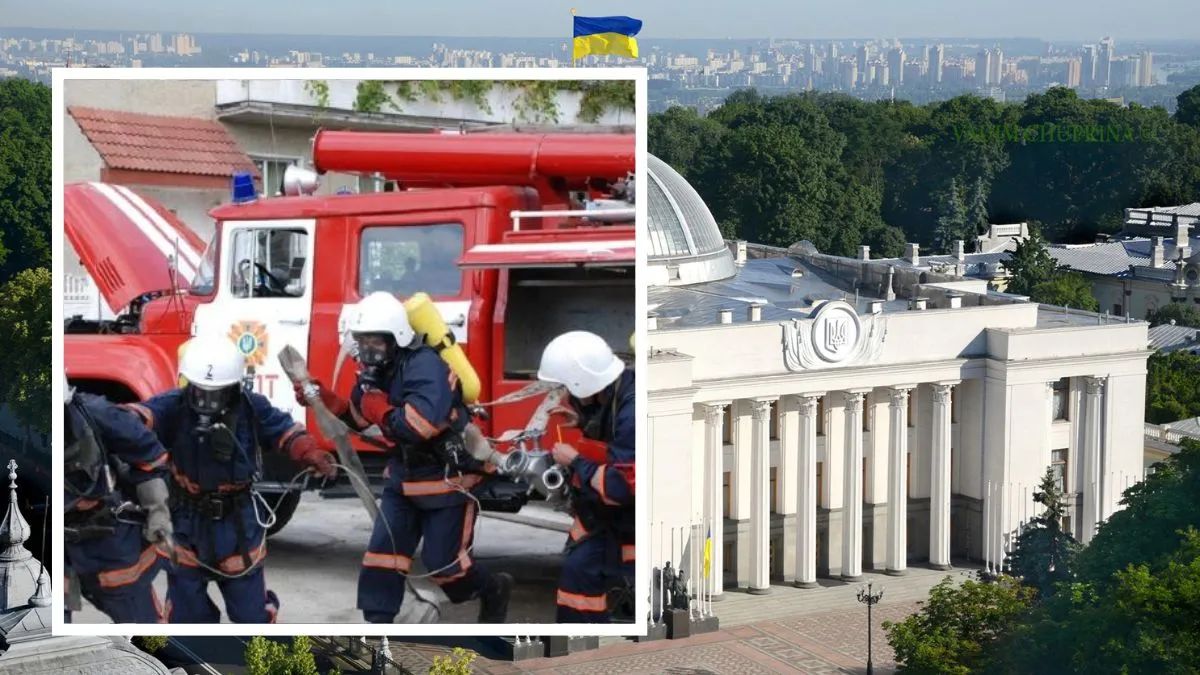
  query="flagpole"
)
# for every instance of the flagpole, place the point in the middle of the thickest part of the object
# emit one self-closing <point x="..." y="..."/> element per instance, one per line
<point x="574" y="64"/>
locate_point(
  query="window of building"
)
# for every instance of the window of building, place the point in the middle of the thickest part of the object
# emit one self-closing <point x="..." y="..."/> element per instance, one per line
<point x="774" y="491"/>
<point x="866" y="465"/>
<point x="272" y="169"/>
<point x="1117" y="309"/>
<point x="268" y="263"/>
<point x="1058" y="466"/>
<point x="1062" y="398"/>
<point x="727" y="426"/>
<point x="821" y="416"/>
<point x="912" y="408"/>
<point x="1066" y="525"/>
<point x="866" y="413"/>
<point x="406" y="259"/>
<point x="727" y="489"/>
<point x="953" y="406"/>
<point x="774" y="421"/>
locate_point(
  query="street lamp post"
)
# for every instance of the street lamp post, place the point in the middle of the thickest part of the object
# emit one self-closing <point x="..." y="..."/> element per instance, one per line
<point x="870" y="599"/>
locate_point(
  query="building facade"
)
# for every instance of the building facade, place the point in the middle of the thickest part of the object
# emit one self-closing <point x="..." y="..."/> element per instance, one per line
<point x="835" y="415"/>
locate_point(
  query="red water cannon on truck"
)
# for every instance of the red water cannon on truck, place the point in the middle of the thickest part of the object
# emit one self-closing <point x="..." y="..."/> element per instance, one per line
<point x="515" y="237"/>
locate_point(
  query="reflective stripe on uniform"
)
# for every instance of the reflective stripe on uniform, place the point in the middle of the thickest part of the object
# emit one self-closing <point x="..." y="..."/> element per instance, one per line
<point x="160" y="461"/>
<point x="194" y="488"/>
<point x="141" y="411"/>
<point x="628" y="551"/>
<point x="428" y="488"/>
<point x="578" y="531"/>
<point x="464" y="560"/>
<point x="129" y="575"/>
<point x="582" y="603"/>
<point x="357" y="416"/>
<point x="387" y="561"/>
<point x="184" y="555"/>
<point x="235" y="563"/>
<point x="289" y="435"/>
<point x="598" y="484"/>
<point x="418" y="423"/>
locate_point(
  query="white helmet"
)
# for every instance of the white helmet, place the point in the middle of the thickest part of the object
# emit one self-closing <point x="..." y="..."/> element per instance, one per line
<point x="381" y="312"/>
<point x="212" y="362"/>
<point x="581" y="361"/>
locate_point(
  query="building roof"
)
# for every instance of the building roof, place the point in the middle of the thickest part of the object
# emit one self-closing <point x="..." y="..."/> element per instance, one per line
<point x="683" y="232"/>
<point x="157" y="143"/>
<point x="1168" y="337"/>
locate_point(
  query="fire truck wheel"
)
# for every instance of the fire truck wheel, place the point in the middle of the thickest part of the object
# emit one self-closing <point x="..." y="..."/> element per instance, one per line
<point x="287" y="503"/>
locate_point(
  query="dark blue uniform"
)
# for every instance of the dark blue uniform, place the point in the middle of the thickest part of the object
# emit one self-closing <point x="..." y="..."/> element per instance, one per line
<point x="600" y="548"/>
<point x="114" y="564"/>
<point x="422" y="500"/>
<point x="212" y="508"/>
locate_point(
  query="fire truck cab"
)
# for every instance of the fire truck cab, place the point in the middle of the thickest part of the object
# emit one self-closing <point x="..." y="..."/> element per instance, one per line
<point x="516" y="237"/>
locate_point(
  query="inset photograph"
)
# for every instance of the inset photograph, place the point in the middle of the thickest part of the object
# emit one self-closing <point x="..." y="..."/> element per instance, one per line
<point x="347" y="351"/>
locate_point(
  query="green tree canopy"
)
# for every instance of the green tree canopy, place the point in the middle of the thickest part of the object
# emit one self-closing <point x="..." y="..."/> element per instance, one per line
<point x="1044" y="553"/>
<point x="953" y="630"/>
<point x="268" y="657"/>
<point x="1172" y="387"/>
<point x="1029" y="264"/>
<point x="1187" y="107"/>
<point x="1066" y="289"/>
<point x="1182" y="314"/>
<point x="25" y="341"/>
<point x="24" y="176"/>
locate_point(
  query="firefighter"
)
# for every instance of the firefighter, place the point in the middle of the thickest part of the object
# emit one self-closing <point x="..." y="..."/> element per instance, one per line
<point x="600" y="547"/>
<point x="110" y="463"/>
<point x="216" y="430"/>
<point x="407" y="390"/>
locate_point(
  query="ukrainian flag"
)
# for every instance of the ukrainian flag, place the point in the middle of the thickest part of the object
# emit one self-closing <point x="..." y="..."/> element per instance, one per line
<point x="606" y="35"/>
<point x="708" y="553"/>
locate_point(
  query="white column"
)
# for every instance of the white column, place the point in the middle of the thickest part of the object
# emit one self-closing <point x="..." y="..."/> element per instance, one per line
<point x="786" y="479"/>
<point x="897" y="542"/>
<point x="806" y="495"/>
<point x="714" y="442"/>
<point x="852" y="495"/>
<point x="939" y="486"/>
<point x="1093" y="391"/>
<point x="760" y="498"/>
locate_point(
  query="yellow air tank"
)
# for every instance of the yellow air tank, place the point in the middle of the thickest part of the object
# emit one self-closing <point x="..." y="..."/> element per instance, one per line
<point x="425" y="318"/>
<point x="182" y="348"/>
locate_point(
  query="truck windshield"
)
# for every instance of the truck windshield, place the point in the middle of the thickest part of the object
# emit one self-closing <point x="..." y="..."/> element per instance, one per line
<point x="407" y="259"/>
<point x="202" y="283"/>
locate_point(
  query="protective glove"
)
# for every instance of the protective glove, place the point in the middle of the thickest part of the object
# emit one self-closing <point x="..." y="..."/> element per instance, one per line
<point x="375" y="406"/>
<point x="336" y="404"/>
<point x="304" y="450"/>
<point x="152" y="497"/>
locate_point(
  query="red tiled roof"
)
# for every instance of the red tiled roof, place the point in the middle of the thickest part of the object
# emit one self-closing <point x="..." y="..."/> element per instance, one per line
<point x="138" y="142"/>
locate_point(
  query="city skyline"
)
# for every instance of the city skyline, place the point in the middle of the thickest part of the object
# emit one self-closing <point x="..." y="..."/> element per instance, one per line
<point x="668" y="19"/>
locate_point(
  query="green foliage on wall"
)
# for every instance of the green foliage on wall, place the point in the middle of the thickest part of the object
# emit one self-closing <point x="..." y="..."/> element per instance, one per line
<point x="536" y="100"/>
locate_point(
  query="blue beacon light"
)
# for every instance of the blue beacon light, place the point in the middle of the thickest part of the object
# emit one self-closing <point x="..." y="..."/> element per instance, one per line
<point x="243" y="188"/>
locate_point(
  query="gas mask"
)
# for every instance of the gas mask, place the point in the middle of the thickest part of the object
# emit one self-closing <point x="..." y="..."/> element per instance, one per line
<point x="211" y="407"/>
<point x="375" y="358"/>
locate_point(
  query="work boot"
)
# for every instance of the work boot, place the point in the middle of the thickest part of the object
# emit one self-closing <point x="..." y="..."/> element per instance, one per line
<point x="493" y="600"/>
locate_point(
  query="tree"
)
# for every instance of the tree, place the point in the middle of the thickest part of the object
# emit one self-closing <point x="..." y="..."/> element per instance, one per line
<point x="1180" y="313"/>
<point x="1066" y="289"/>
<point x="952" y="218"/>
<point x="1187" y="107"/>
<point x="150" y="643"/>
<point x="1044" y="552"/>
<point x="458" y="663"/>
<point x="1172" y="387"/>
<point x="956" y="626"/>
<point x="1029" y="264"/>
<point x="267" y="657"/>
<point x="977" y="210"/>
<point x="24" y="176"/>
<point x="25" y="341"/>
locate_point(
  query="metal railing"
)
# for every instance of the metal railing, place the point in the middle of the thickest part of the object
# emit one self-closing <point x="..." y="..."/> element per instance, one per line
<point x="681" y="552"/>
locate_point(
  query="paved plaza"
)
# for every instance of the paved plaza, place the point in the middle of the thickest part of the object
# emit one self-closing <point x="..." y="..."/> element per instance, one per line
<point x="821" y="630"/>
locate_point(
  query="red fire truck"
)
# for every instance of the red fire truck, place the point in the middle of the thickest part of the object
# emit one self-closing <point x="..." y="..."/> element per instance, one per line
<point x="517" y="237"/>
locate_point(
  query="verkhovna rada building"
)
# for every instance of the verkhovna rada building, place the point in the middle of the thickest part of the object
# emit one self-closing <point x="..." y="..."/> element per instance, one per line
<point x="823" y="415"/>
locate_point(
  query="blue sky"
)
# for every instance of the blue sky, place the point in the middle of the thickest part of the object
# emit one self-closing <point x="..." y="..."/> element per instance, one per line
<point x="1050" y="19"/>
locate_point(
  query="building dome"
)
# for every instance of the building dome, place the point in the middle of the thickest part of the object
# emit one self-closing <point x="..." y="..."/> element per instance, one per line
<point x="686" y="247"/>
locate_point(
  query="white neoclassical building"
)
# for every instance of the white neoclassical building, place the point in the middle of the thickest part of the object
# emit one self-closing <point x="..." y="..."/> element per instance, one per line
<point x="832" y="415"/>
